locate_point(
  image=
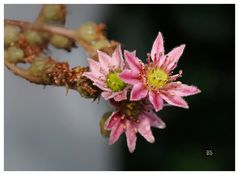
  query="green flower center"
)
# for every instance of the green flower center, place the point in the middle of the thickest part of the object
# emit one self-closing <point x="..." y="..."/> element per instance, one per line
<point x="114" y="82"/>
<point x="156" y="78"/>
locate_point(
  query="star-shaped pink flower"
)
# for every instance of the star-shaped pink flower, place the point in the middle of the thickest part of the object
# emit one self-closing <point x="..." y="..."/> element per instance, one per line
<point x="155" y="79"/>
<point x="132" y="118"/>
<point x="104" y="75"/>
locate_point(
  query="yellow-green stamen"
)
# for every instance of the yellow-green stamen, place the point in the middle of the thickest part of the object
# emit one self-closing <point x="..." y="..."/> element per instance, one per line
<point x="114" y="82"/>
<point x="156" y="78"/>
<point x="132" y="109"/>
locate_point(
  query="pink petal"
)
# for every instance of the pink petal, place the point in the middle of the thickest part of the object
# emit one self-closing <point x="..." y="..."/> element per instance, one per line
<point x="104" y="60"/>
<point x="122" y="95"/>
<point x="130" y="77"/>
<point x="131" y="136"/>
<point x="133" y="53"/>
<point x="174" y="55"/>
<point x="158" y="48"/>
<point x="97" y="81"/>
<point x="133" y="62"/>
<point x="117" y="56"/>
<point x="163" y="62"/>
<point x="107" y="95"/>
<point x="118" y="96"/>
<point x="181" y="89"/>
<point x="175" y="76"/>
<point x="174" y="100"/>
<point x="112" y="121"/>
<point x="156" y="100"/>
<point x="95" y="78"/>
<point x="95" y="66"/>
<point x="155" y="121"/>
<point x="145" y="130"/>
<point x="138" y="92"/>
<point x="116" y="132"/>
<point x="102" y="87"/>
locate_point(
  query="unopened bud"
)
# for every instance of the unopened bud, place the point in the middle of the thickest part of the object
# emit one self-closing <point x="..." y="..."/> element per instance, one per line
<point x="54" y="13"/>
<point x="34" y="37"/>
<point x="11" y="34"/>
<point x="87" y="32"/>
<point x="86" y="88"/>
<point x="14" y="54"/>
<point x="101" y="44"/>
<point x="61" y="42"/>
<point x="39" y="66"/>
<point x="103" y="131"/>
<point x="45" y="35"/>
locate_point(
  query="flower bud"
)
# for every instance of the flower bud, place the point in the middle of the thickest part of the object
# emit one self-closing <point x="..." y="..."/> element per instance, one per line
<point x="101" y="44"/>
<point x="39" y="66"/>
<point x="61" y="42"/>
<point x="54" y="13"/>
<point x="11" y="34"/>
<point x="87" y="32"/>
<point x="14" y="54"/>
<point x="34" y="37"/>
<point x="103" y="131"/>
<point x="45" y="35"/>
<point x="86" y="88"/>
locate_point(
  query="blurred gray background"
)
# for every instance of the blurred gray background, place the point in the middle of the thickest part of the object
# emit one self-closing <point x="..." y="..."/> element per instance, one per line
<point x="47" y="130"/>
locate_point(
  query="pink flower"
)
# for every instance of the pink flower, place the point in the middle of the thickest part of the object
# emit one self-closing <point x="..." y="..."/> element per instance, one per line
<point x="155" y="79"/>
<point x="130" y="118"/>
<point x="104" y="75"/>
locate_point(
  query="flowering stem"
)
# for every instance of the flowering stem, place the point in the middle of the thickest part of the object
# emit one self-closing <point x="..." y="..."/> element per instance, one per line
<point x="59" y="73"/>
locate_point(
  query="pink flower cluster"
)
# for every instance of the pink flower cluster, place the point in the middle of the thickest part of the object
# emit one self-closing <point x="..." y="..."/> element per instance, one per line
<point x="135" y="89"/>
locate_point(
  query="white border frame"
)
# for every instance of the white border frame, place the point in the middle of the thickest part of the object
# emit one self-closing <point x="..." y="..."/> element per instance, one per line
<point x="110" y="172"/>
